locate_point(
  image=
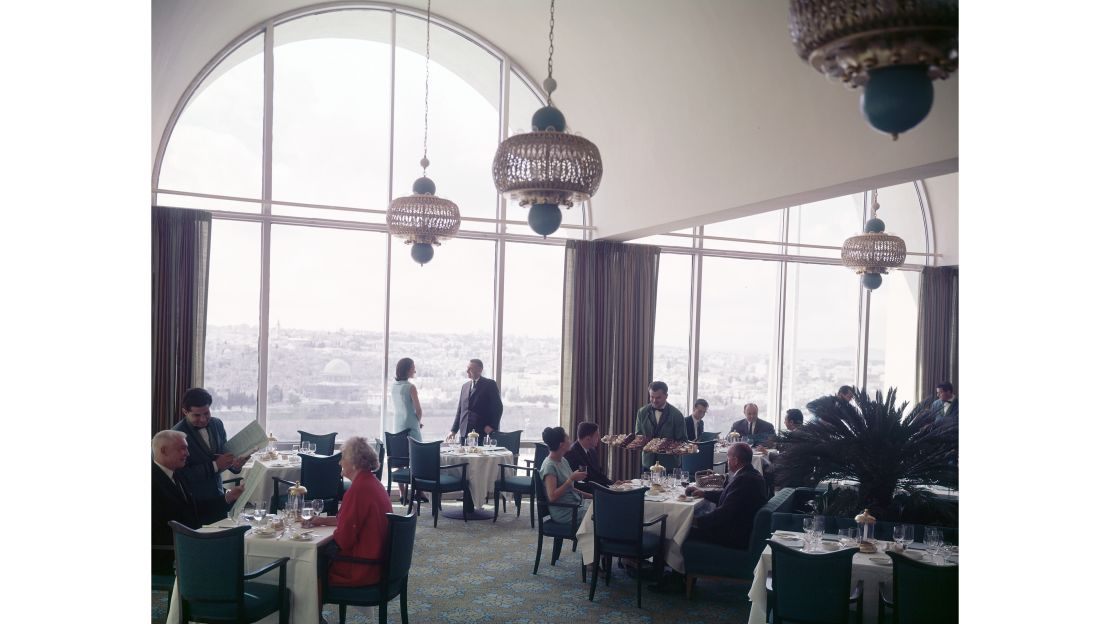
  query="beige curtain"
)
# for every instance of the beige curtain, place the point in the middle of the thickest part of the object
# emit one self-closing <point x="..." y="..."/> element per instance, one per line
<point x="608" y="336"/>
<point x="179" y="248"/>
<point x="938" y="329"/>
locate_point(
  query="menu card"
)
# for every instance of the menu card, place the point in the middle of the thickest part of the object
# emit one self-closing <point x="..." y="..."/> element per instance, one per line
<point x="251" y="438"/>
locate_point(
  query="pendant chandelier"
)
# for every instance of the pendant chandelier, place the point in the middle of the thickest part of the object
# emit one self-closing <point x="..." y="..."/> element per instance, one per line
<point x="547" y="168"/>
<point x="874" y="252"/>
<point x="894" y="49"/>
<point x="422" y="219"/>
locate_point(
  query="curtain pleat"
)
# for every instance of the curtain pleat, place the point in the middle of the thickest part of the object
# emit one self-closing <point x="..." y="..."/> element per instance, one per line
<point x="938" y="329"/>
<point x="179" y="243"/>
<point x="609" y="293"/>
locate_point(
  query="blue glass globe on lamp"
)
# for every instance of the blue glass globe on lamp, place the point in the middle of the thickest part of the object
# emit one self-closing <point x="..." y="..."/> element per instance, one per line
<point x="871" y="281"/>
<point x="544" y="219"/>
<point x="897" y="98"/>
<point x="424" y="186"/>
<point x="423" y="252"/>
<point x="549" y="119"/>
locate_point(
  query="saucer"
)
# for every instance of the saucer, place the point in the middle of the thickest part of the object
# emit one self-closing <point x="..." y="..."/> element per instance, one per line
<point x="258" y="533"/>
<point x="881" y="560"/>
<point x="304" y="537"/>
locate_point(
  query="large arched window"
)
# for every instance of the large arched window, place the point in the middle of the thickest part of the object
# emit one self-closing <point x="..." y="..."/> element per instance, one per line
<point x="296" y="137"/>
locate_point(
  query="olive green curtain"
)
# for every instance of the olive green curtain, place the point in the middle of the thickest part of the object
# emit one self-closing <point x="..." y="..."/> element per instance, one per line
<point x="179" y="248"/>
<point x="609" y="293"/>
<point x="938" y="329"/>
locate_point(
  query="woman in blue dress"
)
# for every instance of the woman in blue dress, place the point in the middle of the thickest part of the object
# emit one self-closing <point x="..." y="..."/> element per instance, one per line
<point x="406" y="404"/>
<point x="558" y="480"/>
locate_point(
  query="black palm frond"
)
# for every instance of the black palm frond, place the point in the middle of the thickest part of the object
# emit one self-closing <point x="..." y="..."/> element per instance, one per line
<point x="872" y="443"/>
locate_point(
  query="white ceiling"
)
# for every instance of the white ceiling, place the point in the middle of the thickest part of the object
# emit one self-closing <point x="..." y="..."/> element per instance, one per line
<point x="701" y="109"/>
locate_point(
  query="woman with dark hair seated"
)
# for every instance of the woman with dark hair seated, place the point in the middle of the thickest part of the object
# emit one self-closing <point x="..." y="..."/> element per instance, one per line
<point x="558" y="480"/>
<point x="362" y="525"/>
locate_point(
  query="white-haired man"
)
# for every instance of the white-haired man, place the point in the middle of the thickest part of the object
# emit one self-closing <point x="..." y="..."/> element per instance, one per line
<point x="170" y="500"/>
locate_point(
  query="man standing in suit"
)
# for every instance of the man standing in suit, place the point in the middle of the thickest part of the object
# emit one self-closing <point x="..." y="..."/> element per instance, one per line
<point x="945" y="408"/>
<point x="751" y="426"/>
<point x="479" y="404"/>
<point x="206" y="460"/>
<point x="659" y="419"/>
<point x="170" y="499"/>
<point x="730" y="523"/>
<point x="694" y="425"/>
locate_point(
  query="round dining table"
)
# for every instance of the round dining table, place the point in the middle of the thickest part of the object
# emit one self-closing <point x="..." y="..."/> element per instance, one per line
<point x="482" y="472"/>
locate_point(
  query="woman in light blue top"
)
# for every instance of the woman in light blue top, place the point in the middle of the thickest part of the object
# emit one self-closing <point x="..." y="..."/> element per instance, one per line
<point x="406" y="404"/>
<point x="558" y="480"/>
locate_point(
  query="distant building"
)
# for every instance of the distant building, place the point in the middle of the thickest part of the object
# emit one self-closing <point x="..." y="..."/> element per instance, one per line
<point x="336" y="384"/>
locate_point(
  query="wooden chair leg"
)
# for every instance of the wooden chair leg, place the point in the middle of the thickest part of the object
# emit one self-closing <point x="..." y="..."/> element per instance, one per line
<point x="689" y="586"/>
<point x="539" y="551"/>
<point x="435" y="509"/>
<point x="342" y="614"/>
<point x="639" y="581"/>
<point x="593" y="578"/>
<point x="405" y="601"/>
<point x="496" y="505"/>
<point x="556" y="548"/>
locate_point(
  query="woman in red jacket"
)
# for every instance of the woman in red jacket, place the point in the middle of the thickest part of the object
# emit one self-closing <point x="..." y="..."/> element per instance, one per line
<point x="362" y="527"/>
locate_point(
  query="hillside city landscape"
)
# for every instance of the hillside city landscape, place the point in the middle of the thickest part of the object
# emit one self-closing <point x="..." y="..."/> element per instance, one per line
<point x="326" y="381"/>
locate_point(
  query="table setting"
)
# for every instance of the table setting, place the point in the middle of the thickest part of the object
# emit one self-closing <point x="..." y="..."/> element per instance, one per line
<point x="482" y="471"/>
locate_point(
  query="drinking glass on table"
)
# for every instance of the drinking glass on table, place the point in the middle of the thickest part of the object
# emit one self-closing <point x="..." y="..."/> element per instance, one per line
<point x="848" y="537"/>
<point x="317" y="506"/>
<point x="259" y="513"/>
<point x="306" y="513"/>
<point x="312" y="448"/>
<point x="934" y="541"/>
<point x="248" y="509"/>
<point x="903" y="533"/>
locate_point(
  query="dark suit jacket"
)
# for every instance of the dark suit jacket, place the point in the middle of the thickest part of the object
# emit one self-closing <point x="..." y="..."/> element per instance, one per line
<point x="730" y="524"/>
<point x="579" y="456"/>
<point x="479" y="409"/>
<point x="201" y="479"/>
<point x="168" y="502"/>
<point x="763" y="430"/>
<point x="692" y="432"/>
<point x="937" y="410"/>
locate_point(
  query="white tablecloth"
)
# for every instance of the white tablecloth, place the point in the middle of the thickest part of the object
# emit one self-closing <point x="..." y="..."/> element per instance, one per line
<point x="482" y="471"/>
<point x="759" y="460"/>
<point x="258" y="482"/>
<point x="680" y="516"/>
<point x="300" y="572"/>
<point x="863" y="568"/>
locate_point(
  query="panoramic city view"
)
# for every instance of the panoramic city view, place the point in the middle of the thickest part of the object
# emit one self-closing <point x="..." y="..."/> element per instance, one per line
<point x="333" y="379"/>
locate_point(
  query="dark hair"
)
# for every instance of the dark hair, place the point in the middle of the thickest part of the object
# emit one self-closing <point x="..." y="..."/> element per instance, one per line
<point x="702" y="402"/>
<point x="478" y="363"/>
<point x="945" y="386"/>
<point x="795" y="415"/>
<point x="658" y="386"/>
<point x="742" y="451"/>
<point x="553" y="437"/>
<point x="404" y="365"/>
<point x="196" y="397"/>
<point x="586" y="429"/>
<point x="847" y="389"/>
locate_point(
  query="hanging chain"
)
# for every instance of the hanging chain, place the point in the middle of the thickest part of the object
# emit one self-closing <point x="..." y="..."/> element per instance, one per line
<point x="427" y="60"/>
<point x="550" y="49"/>
<point x="874" y="203"/>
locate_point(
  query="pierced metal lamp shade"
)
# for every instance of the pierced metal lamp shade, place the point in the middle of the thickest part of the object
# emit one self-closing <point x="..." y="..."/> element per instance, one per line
<point x="547" y="167"/>
<point x="423" y="218"/>
<point x="874" y="252"/>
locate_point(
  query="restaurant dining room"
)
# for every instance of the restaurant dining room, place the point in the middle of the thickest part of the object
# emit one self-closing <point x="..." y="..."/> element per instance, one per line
<point x="544" y="311"/>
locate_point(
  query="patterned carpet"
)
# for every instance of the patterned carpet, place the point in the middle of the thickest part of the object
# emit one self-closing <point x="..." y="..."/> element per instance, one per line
<point x="480" y="572"/>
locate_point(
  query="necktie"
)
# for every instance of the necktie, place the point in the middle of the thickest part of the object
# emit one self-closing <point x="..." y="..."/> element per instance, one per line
<point x="180" y="487"/>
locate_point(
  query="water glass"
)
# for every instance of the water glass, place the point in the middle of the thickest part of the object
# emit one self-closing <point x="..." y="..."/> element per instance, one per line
<point x="903" y="533"/>
<point x="317" y="506"/>
<point x="259" y="513"/>
<point x="819" y="525"/>
<point x="492" y="443"/>
<point x="934" y="541"/>
<point x="848" y="537"/>
<point x="304" y="447"/>
<point x="306" y="513"/>
<point x="645" y="478"/>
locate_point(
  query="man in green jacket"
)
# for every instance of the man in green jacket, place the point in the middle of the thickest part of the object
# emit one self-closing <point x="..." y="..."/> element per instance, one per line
<point x="659" y="419"/>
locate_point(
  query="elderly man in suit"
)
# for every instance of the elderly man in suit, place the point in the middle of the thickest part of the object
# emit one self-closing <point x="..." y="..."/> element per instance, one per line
<point x="171" y="500"/>
<point x="660" y="419"/>
<point x="758" y="430"/>
<point x="946" y="408"/>
<point x="730" y="522"/>
<point x="480" y="405"/>
<point x="206" y="460"/>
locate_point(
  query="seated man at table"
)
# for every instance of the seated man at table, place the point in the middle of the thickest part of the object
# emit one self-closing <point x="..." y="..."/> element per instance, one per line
<point x="207" y="459"/>
<point x="752" y="427"/>
<point x="362" y="528"/>
<point x="694" y="425"/>
<point x="169" y="500"/>
<point x="583" y="456"/>
<point x="730" y="523"/>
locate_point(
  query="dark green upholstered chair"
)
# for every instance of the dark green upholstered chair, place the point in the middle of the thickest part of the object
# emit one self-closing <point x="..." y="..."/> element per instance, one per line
<point x="427" y="476"/>
<point x="281" y="493"/>
<point x="379" y="448"/>
<point x="509" y="480"/>
<point x="541" y="454"/>
<point x="510" y="440"/>
<point x="558" y="531"/>
<point x="394" y="579"/>
<point x="924" y="593"/>
<point x="323" y="478"/>
<point x="211" y="582"/>
<point x="325" y="443"/>
<point x="815" y="588"/>
<point x="619" y="530"/>
<point x="709" y="560"/>
<point x="397" y="447"/>
<point x="702" y="460"/>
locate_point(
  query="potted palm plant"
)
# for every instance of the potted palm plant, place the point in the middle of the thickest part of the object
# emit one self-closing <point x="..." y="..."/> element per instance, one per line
<point x="875" y="445"/>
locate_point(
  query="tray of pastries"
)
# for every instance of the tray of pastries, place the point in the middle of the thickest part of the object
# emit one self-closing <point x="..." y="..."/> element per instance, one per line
<point x="637" y="443"/>
<point x="666" y="446"/>
<point x="618" y="439"/>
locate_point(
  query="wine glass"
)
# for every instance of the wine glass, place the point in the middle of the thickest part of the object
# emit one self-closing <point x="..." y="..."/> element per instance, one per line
<point x="248" y="509"/>
<point x="317" y="506"/>
<point x="312" y="448"/>
<point x="306" y="513"/>
<point x="818" y="526"/>
<point x="848" y="537"/>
